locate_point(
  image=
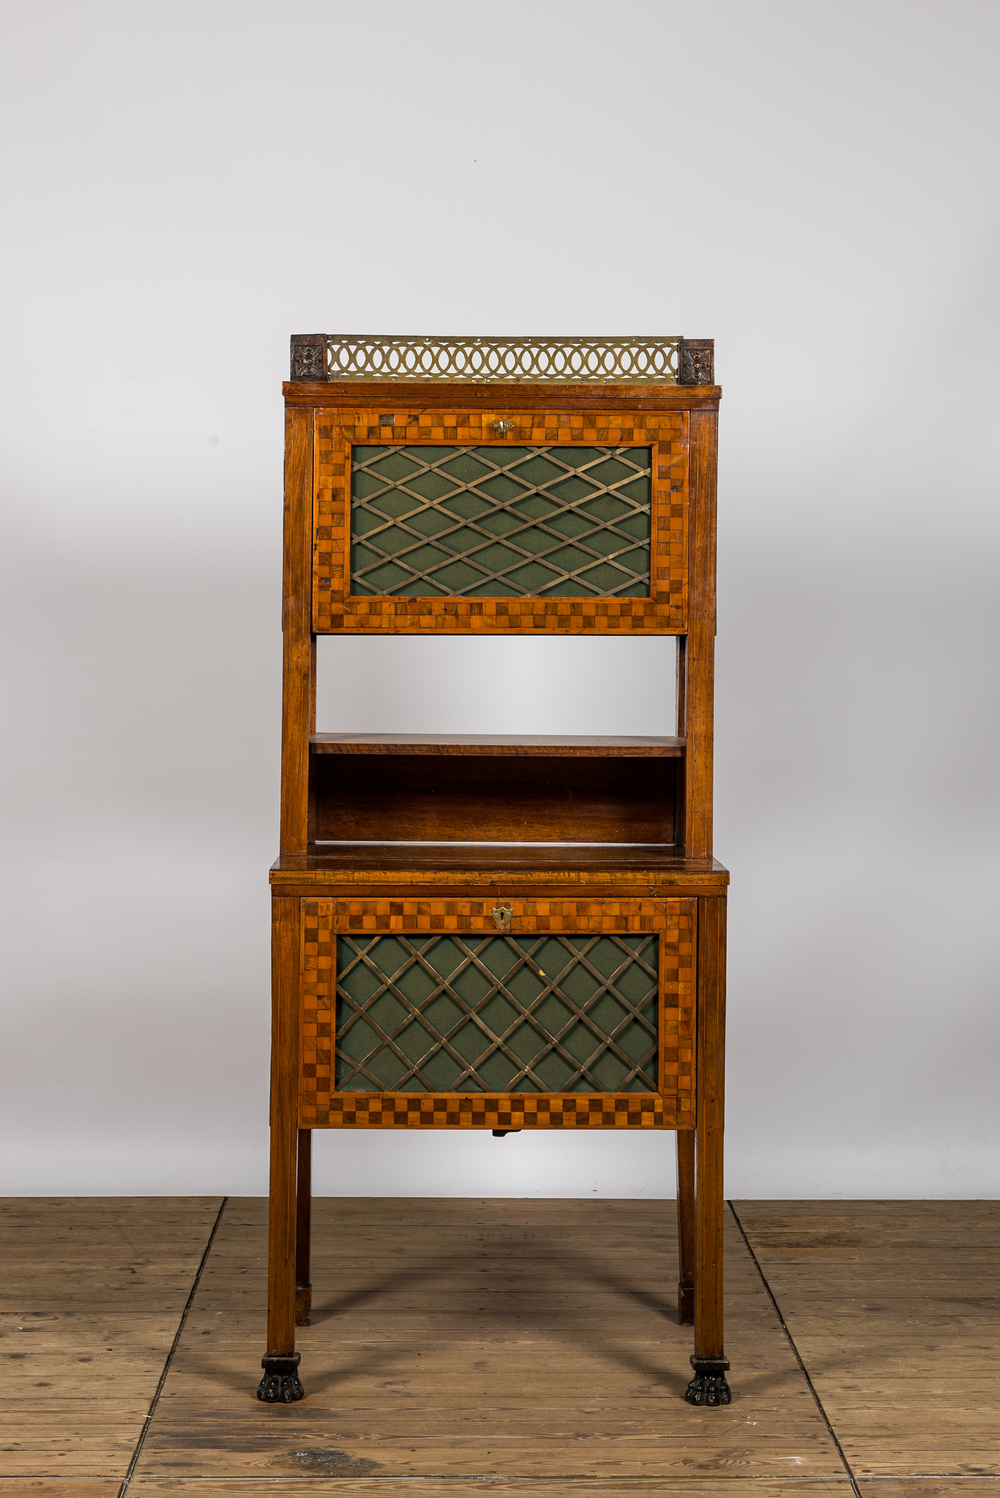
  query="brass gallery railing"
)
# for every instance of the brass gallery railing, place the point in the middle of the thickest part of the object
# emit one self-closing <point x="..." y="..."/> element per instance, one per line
<point x="625" y="361"/>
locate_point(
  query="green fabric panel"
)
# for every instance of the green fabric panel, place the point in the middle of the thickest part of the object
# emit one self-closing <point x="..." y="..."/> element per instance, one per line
<point x="470" y="1013"/>
<point x="490" y="522"/>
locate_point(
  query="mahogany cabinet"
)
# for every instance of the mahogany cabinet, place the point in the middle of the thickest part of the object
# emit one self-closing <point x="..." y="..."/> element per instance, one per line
<point x="499" y="932"/>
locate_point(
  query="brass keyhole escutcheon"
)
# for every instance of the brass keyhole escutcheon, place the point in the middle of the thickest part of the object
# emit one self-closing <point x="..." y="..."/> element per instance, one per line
<point x="502" y="427"/>
<point x="502" y="915"/>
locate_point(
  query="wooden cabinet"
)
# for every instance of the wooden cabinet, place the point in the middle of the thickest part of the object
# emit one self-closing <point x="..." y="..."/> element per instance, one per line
<point x="506" y="932"/>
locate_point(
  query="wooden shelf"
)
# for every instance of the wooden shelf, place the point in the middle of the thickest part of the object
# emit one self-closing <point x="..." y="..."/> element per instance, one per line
<point x="548" y="745"/>
<point x="496" y="858"/>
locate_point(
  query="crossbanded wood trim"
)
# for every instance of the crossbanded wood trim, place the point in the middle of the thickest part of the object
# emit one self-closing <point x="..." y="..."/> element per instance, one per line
<point x="529" y="916"/>
<point x="537" y="1110"/>
<point x="663" y="612"/>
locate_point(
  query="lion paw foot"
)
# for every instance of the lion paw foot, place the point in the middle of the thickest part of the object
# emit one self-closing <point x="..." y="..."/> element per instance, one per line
<point x="280" y="1384"/>
<point x="709" y="1386"/>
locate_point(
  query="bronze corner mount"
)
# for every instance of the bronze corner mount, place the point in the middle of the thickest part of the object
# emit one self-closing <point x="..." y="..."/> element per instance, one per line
<point x="696" y="361"/>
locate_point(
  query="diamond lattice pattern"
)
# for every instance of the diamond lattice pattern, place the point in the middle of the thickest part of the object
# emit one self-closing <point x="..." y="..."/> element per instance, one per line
<point x="497" y="1013"/>
<point x="477" y="522"/>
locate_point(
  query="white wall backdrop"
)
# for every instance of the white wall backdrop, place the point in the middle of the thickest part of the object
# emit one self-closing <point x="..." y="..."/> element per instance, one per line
<point x="812" y="184"/>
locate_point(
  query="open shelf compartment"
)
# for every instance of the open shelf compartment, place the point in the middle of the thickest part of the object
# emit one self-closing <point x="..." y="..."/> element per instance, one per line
<point x="421" y="788"/>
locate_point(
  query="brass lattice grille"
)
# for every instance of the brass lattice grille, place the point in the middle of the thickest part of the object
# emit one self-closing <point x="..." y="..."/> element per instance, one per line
<point x="550" y="1013"/>
<point x="628" y="360"/>
<point x="546" y="522"/>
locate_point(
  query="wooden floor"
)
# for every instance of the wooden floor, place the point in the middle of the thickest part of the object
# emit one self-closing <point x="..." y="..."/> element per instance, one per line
<point x="524" y="1348"/>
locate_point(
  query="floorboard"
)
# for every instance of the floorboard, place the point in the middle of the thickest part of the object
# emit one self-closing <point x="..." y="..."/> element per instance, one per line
<point x="895" y="1310"/>
<point x="93" y="1291"/>
<point x="60" y="1487"/>
<point x="927" y="1487"/>
<point x="489" y="1339"/>
<point x="515" y="1487"/>
<point x="519" y="1347"/>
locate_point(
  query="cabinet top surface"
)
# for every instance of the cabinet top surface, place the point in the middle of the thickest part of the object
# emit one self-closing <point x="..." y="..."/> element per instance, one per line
<point x="490" y="864"/>
<point x="417" y="395"/>
<point x="503" y="744"/>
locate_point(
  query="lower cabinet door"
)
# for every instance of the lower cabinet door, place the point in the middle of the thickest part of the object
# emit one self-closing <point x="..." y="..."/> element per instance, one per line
<point x="530" y="1013"/>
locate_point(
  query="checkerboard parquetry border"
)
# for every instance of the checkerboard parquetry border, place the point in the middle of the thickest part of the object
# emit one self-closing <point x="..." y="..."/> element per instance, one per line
<point x="476" y="915"/>
<point x="322" y="1108"/>
<point x="664" y="612"/>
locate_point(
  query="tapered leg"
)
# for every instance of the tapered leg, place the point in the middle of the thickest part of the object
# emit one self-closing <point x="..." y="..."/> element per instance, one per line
<point x="709" y="1386"/>
<point x="303" y="1225"/>
<point x="280" y="1383"/>
<point x="685" y="1226"/>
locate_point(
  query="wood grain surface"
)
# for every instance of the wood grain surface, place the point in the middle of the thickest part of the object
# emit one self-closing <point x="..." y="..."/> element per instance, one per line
<point x="434" y="396"/>
<point x="529" y="1341"/>
<point x="711" y="1218"/>
<point x="60" y="1487"/>
<point x="522" y="798"/>
<point x="895" y="1310"/>
<point x="564" y="1487"/>
<point x="478" y="864"/>
<point x="285" y="1014"/>
<point x="298" y="692"/>
<point x="570" y="746"/>
<point x="925" y="1487"/>
<point x="462" y="1339"/>
<point x="697" y="725"/>
<point x="92" y="1293"/>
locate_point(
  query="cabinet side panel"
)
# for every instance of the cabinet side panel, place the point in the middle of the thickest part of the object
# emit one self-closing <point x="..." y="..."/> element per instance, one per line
<point x="700" y="652"/>
<point x="298" y="656"/>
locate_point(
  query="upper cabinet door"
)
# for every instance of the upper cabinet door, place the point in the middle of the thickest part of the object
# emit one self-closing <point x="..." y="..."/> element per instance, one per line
<point x="510" y="521"/>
